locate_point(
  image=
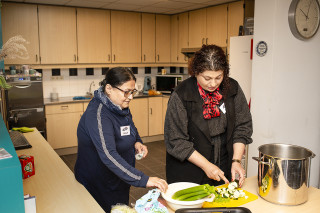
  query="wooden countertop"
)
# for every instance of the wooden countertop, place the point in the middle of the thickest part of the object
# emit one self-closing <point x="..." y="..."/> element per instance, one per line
<point x="262" y="206"/>
<point x="54" y="184"/>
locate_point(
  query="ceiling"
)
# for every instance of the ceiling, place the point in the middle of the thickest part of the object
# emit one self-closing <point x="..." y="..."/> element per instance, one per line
<point x="150" y="6"/>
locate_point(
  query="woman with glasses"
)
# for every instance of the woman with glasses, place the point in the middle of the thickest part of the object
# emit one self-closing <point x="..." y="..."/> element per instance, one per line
<point x="108" y="141"/>
<point x="208" y="123"/>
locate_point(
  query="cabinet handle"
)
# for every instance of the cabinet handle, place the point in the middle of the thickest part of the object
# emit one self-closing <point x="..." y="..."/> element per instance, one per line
<point x="202" y="41"/>
<point x="36" y="58"/>
<point x="150" y="111"/>
<point x="144" y="57"/>
<point x="114" y="57"/>
<point x="75" y="57"/>
<point x="108" y="57"/>
<point x="64" y="107"/>
<point x="206" y="40"/>
<point x="177" y="58"/>
<point x="185" y="58"/>
<point x="158" y="57"/>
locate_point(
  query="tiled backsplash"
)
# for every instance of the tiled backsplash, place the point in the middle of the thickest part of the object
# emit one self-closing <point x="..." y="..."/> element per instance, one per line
<point x="66" y="85"/>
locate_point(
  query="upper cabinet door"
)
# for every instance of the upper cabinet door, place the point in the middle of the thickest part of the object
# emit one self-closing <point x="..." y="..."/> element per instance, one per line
<point x="126" y="37"/>
<point x="217" y="21"/>
<point x="235" y="19"/>
<point x="174" y="38"/>
<point x="183" y="38"/>
<point x="21" y="19"/>
<point x="148" y="38"/>
<point x="163" y="38"/>
<point x="93" y="31"/>
<point x="57" y="30"/>
<point x="197" y="27"/>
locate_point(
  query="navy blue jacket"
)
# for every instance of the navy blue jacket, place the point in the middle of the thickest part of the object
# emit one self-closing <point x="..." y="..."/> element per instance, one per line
<point x="106" y="159"/>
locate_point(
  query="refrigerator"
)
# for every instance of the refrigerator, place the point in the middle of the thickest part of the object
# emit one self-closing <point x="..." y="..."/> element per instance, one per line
<point x="240" y="61"/>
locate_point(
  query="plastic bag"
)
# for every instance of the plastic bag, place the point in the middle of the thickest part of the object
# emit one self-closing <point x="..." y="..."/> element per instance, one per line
<point x="121" y="208"/>
<point x="149" y="203"/>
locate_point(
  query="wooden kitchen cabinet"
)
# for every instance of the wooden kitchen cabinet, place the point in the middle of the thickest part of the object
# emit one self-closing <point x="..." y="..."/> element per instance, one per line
<point x="197" y="27"/>
<point x="183" y="37"/>
<point x="139" y="108"/>
<point x="93" y="31"/>
<point x="58" y="36"/>
<point x="155" y="116"/>
<point x="235" y="19"/>
<point x="126" y="37"/>
<point x="174" y="38"/>
<point x="162" y="38"/>
<point x="62" y="121"/>
<point x="217" y="25"/>
<point x="148" y="37"/>
<point x="21" y="19"/>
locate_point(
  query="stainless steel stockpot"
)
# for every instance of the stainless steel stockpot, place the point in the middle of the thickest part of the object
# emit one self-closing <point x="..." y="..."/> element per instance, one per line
<point x="284" y="173"/>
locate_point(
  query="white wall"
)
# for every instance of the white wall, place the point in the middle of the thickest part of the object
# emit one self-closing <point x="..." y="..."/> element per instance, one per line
<point x="285" y="88"/>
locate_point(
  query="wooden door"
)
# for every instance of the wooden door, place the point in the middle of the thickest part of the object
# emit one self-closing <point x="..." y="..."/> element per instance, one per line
<point x="21" y="19"/>
<point x="126" y="37"/>
<point x="197" y="27"/>
<point x="139" y="110"/>
<point x="165" y="100"/>
<point x="93" y="31"/>
<point x="155" y="116"/>
<point x="148" y="37"/>
<point x="174" y="38"/>
<point x="235" y="19"/>
<point x="162" y="39"/>
<point x="217" y="22"/>
<point x="57" y="30"/>
<point x="183" y="38"/>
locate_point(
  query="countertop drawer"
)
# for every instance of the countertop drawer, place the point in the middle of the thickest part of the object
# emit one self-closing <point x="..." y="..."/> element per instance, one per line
<point x="64" y="108"/>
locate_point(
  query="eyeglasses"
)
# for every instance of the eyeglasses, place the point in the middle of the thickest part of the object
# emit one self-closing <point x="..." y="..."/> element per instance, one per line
<point x="127" y="93"/>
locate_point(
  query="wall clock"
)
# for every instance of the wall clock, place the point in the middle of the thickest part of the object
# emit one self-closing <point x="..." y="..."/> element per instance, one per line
<point x="304" y="18"/>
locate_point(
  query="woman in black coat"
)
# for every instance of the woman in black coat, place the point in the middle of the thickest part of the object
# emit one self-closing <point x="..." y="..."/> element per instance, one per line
<point x="208" y="123"/>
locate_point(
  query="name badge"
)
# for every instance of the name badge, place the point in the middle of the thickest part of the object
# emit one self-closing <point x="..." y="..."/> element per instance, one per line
<point x="223" y="108"/>
<point x="125" y="130"/>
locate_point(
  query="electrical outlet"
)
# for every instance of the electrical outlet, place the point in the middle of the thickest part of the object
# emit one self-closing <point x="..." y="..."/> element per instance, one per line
<point x="59" y="77"/>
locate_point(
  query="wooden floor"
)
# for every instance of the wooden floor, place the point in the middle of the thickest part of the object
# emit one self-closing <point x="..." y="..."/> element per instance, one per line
<point x="153" y="165"/>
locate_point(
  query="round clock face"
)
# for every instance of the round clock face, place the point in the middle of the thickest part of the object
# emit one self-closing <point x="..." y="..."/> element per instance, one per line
<point x="304" y="18"/>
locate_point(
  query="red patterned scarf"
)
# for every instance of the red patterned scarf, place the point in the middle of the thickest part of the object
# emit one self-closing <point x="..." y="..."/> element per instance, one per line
<point x="210" y="103"/>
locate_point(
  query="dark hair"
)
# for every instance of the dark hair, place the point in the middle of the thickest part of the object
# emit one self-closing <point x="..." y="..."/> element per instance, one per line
<point x="210" y="57"/>
<point x="117" y="76"/>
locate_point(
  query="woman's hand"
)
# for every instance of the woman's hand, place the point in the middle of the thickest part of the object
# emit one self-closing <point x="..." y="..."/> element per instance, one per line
<point x="215" y="173"/>
<point x="236" y="168"/>
<point x="140" y="148"/>
<point x="157" y="182"/>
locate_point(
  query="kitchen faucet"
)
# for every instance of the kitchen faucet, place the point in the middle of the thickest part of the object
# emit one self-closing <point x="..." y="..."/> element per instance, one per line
<point x="90" y="93"/>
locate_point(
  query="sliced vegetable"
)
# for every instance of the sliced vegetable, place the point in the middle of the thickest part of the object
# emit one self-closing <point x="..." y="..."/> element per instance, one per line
<point x="197" y="197"/>
<point x="185" y="197"/>
<point x="202" y="188"/>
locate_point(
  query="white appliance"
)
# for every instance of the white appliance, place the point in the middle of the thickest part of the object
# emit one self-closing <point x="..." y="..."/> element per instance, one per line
<point x="241" y="62"/>
<point x="241" y="70"/>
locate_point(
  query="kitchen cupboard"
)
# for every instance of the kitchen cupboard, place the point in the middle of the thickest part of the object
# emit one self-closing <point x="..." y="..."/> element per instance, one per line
<point x="62" y="123"/>
<point x="179" y="37"/>
<point x="148" y="37"/>
<point x="174" y="25"/>
<point x="162" y="38"/>
<point x="139" y="110"/>
<point x="85" y="105"/>
<point x="197" y="27"/>
<point x="57" y="34"/>
<point x="217" y="25"/>
<point x="235" y="19"/>
<point x="93" y="35"/>
<point x="155" y="116"/>
<point x="165" y="100"/>
<point x="21" y="19"/>
<point x="126" y="37"/>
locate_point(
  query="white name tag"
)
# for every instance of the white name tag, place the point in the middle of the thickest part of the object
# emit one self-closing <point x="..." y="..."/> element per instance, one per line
<point x="125" y="130"/>
<point x="223" y="108"/>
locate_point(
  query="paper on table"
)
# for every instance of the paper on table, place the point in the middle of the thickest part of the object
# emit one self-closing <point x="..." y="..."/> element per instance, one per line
<point x="4" y="154"/>
<point x="30" y="204"/>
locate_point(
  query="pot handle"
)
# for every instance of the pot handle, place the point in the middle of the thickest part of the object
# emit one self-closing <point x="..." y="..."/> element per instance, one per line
<point x="259" y="161"/>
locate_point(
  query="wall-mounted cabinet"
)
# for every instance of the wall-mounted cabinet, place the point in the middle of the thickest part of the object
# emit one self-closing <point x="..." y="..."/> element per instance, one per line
<point x="148" y="37"/>
<point x="235" y="19"/>
<point x="126" y="37"/>
<point x="93" y="33"/>
<point x="58" y="36"/>
<point x="197" y="28"/>
<point x="21" y="19"/>
<point x="179" y="37"/>
<point x="162" y="39"/>
<point x="174" y="38"/>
